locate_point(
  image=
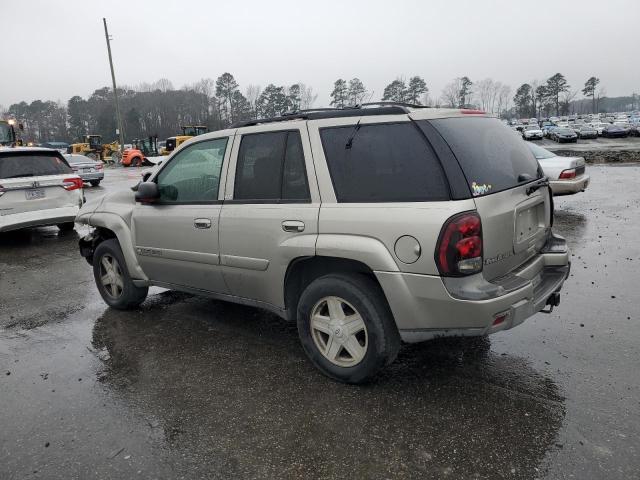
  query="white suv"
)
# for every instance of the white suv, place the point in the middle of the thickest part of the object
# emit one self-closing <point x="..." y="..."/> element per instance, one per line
<point x="368" y="226"/>
<point x="37" y="187"/>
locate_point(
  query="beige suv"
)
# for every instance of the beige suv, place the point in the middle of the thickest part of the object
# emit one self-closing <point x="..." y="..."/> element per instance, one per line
<point x="368" y="226"/>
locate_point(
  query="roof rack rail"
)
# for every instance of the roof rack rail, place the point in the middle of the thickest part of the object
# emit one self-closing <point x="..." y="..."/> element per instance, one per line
<point x="385" y="108"/>
<point x="399" y="104"/>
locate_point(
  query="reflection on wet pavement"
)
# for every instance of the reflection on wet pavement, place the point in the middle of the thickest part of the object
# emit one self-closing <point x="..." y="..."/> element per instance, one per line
<point x="250" y="403"/>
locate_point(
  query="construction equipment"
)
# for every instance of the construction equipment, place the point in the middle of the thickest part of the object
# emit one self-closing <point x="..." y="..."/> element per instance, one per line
<point x="188" y="131"/>
<point x="93" y="147"/>
<point x="136" y="156"/>
<point x="8" y="135"/>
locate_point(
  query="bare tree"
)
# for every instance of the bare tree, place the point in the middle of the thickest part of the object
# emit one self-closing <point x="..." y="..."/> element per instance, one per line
<point x="504" y="97"/>
<point x="253" y="93"/>
<point x="487" y="91"/>
<point x="451" y="93"/>
<point x="307" y="97"/>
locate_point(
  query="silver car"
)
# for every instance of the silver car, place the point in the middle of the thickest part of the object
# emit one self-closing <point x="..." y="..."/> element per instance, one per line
<point x="90" y="170"/>
<point x="367" y="226"/>
<point x="37" y="188"/>
<point x="567" y="175"/>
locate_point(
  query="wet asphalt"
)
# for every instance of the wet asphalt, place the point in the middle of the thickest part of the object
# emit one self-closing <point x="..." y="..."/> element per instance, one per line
<point x="188" y="387"/>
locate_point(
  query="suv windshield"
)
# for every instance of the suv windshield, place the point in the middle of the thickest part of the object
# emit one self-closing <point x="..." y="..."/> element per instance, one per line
<point x="492" y="158"/>
<point x="16" y="165"/>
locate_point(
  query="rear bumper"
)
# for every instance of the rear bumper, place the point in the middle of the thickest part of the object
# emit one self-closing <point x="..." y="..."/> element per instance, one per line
<point x="566" y="187"/>
<point x="425" y="308"/>
<point x="87" y="177"/>
<point x="38" y="218"/>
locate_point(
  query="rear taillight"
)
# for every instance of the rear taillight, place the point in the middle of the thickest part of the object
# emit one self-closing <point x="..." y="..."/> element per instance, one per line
<point x="459" y="248"/>
<point x="567" y="174"/>
<point x="72" y="183"/>
<point x="472" y="111"/>
<point x="99" y="166"/>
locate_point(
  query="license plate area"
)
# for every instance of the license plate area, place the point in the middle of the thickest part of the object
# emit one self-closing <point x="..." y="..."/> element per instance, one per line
<point x="529" y="222"/>
<point x="34" y="194"/>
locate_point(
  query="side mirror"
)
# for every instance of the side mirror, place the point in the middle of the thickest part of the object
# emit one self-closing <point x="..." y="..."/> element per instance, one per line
<point x="147" y="192"/>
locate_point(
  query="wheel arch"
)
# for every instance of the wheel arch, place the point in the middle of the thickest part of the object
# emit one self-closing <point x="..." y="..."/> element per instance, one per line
<point x="109" y="225"/>
<point x="301" y="271"/>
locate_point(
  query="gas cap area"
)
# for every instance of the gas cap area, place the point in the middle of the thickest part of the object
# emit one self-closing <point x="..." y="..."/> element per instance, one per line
<point x="407" y="249"/>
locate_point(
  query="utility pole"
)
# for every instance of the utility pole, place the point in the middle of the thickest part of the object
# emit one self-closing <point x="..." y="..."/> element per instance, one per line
<point x="115" y="89"/>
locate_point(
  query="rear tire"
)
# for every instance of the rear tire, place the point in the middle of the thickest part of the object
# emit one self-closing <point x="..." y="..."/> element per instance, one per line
<point x="94" y="183"/>
<point x="66" y="227"/>
<point x="112" y="277"/>
<point x="346" y="327"/>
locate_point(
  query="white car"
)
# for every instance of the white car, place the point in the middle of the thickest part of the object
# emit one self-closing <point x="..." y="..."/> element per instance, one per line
<point x="599" y="126"/>
<point x="567" y="175"/>
<point x="37" y="188"/>
<point x="532" y="132"/>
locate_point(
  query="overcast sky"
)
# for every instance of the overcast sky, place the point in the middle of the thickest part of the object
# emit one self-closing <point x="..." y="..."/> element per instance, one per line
<point x="56" y="49"/>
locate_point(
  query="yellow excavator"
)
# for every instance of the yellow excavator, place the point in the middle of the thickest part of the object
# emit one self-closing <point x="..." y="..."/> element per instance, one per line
<point x="188" y="131"/>
<point x="93" y="147"/>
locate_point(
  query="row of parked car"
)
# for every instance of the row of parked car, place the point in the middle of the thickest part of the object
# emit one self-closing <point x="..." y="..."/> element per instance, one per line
<point x="570" y="129"/>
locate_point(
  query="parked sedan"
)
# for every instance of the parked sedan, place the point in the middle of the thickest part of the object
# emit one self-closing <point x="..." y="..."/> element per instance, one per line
<point x="567" y="175"/>
<point x="564" y="135"/>
<point x="37" y="187"/>
<point x="614" y="131"/>
<point x="532" y="132"/>
<point x="587" y="131"/>
<point x="90" y="170"/>
<point x="599" y="126"/>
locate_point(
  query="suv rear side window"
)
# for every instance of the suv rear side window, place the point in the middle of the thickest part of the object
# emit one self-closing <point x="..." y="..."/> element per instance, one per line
<point x="271" y="167"/>
<point x="492" y="157"/>
<point x="16" y="165"/>
<point x="383" y="163"/>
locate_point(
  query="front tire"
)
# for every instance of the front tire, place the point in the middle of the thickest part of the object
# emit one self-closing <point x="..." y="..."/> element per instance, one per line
<point x="112" y="278"/>
<point x="346" y="327"/>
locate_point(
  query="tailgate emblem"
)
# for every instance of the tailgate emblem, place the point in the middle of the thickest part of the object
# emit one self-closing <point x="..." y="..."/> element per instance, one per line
<point x="497" y="258"/>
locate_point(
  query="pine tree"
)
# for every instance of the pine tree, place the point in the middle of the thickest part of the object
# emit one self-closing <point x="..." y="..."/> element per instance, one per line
<point x="357" y="92"/>
<point x="396" y="91"/>
<point x="416" y="89"/>
<point x="339" y="96"/>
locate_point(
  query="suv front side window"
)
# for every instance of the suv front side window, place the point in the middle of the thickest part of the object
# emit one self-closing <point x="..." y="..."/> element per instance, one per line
<point x="271" y="167"/>
<point x="193" y="175"/>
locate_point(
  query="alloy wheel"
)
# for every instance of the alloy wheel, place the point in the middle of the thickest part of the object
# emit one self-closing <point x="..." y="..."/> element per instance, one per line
<point x="111" y="276"/>
<point x="339" y="332"/>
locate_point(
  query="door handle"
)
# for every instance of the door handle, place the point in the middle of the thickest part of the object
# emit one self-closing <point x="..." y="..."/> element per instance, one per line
<point x="293" y="226"/>
<point x="202" y="223"/>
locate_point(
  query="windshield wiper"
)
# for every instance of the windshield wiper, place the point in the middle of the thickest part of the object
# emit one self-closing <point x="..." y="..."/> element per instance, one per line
<point x="541" y="182"/>
<point x="349" y="143"/>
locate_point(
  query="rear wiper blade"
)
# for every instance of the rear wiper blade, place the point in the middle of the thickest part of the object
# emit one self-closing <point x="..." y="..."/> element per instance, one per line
<point x="541" y="182"/>
<point x="349" y="143"/>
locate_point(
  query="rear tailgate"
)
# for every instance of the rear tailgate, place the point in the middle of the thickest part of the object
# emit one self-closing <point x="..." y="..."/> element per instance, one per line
<point x="515" y="227"/>
<point x="35" y="180"/>
<point x="29" y="194"/>
<point x="499" y="169"/>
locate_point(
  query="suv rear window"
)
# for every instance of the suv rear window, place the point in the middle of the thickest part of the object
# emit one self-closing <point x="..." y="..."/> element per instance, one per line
<point x="492" y="157"/>
<point x="383" y="163"/>
<point x="17" y="164"/>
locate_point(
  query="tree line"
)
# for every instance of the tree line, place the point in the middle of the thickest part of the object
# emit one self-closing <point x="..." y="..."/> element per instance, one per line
<point x="160" y="109"/>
